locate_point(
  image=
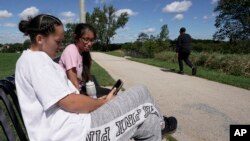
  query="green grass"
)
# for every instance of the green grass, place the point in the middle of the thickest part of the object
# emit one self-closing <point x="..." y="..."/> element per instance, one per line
<point x="7" y="68"/>
<point x="170" y="138"/>
<point x="7" y="64"/>
<point x="238" y="81"/>
<point x="118" y="53"/>
<point x="102" y="76"/>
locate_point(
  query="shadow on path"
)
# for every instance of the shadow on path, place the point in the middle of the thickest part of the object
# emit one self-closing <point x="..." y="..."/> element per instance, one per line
<point x="168" y="70"/>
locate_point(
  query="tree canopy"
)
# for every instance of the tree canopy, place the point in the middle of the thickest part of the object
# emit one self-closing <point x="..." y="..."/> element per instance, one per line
<point x="142" y="37"/>
<point x="69" y="31"/>
<point x="164" y="33"/>
<point x="106" y="21"/>
<point x="233" y="20"/>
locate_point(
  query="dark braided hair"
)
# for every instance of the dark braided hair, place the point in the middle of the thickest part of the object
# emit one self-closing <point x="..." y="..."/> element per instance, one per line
<point x="41" y="24"/>
<point x="80" y="30"/>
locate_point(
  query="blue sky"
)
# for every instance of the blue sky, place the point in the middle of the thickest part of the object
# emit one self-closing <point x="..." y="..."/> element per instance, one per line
<point x="144" y="16"/>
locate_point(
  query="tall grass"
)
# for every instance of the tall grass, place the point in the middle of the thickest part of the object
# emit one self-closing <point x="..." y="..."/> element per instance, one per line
<point x="233" y="64"/>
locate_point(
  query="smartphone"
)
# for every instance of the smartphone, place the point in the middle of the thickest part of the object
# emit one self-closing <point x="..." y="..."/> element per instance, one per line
<point x="118" y="86"/>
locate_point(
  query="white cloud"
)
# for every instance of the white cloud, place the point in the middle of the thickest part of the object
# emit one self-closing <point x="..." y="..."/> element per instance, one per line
<point x="195" y="18"/>
<point x="123" y="38"/>
<point x="68" y="17"/>
<point x="176" y="7"/>
<point x="29" y="12"/>
<point x="69" y="20"/>
<point x="5" y="14"/>
<point x="178" y="17"/>
<point x="12" y="37"/>
<point x="161" y="20"/>
<point x="128" y="11"/>
<point x="9" y="25"/>
<point x="149" y="30"/>
<point x="68" y="14"/>
<point x="125" y="35"/>
<point x="214" y="1"/>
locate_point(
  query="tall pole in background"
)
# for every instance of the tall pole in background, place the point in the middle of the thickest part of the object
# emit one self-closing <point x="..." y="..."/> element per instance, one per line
<point x="82" y="12"/>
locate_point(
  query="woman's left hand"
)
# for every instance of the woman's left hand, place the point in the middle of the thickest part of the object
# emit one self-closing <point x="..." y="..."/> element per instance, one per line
<point x="103" y="97"/>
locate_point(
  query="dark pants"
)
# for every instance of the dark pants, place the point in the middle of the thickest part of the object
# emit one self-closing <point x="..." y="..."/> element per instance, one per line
<point x="184" y="56"/>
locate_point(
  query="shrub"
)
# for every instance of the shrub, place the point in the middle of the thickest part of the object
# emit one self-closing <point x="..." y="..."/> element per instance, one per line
<point x="235" y="64"/>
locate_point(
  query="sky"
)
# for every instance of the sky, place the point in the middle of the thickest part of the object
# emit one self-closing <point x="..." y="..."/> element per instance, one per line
<point x="147" y="16"/>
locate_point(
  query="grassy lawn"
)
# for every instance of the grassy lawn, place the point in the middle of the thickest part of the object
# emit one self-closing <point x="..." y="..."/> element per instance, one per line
<point x="7" y="64"/>
<point x="102" y="76"/>
<point x="238" y="81"/>
<point x="170" y="138"/>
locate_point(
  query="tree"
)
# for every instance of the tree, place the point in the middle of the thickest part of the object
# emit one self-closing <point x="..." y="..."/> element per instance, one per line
<point x="106" y="22"/>
<point x="152" y="37"/>
<point x="233" y="20"/>
<point x="163" y="40"/>
<point x="69" y="32"/>
<point x="164" y="33"/>
<point x="26" y="44"/>
<point x="142" y="37"/>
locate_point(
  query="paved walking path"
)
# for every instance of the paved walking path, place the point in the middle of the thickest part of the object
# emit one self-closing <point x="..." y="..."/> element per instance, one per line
<point x="204" y="108"/>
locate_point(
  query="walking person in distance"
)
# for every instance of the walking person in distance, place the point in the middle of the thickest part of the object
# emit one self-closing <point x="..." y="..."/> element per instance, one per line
<point x="183" y="48"/>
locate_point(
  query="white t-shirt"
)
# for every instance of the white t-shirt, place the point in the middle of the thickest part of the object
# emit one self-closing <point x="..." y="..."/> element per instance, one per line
<point x="40" y="84"/>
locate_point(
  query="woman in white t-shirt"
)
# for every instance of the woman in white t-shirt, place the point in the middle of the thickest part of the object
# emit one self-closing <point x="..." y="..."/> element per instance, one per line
<point x="52" y="109"/>
<point x="76" y="59"/>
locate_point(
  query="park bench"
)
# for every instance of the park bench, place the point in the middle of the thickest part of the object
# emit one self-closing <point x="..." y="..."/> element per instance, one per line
<point x="9" y="98"/>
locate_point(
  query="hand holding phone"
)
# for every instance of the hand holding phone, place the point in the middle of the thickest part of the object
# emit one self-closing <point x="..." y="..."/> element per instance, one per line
<point x="118" y="86"/>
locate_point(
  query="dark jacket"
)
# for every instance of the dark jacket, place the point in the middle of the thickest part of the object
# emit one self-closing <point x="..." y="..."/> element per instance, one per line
<point x="184" y="43"/>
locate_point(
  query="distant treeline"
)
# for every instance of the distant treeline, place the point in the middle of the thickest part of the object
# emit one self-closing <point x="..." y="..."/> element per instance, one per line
<point x="15" y="47"/>
<point x="239" y="47"/>
<point x="199" y="45"/>
<point x="149" y="47"/>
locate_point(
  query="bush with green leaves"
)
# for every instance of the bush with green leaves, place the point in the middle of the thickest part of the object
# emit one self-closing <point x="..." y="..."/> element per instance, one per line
<point x="145" y="49"/>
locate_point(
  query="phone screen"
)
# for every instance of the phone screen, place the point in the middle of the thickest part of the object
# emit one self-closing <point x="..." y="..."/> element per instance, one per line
<point x="118" y="86"/>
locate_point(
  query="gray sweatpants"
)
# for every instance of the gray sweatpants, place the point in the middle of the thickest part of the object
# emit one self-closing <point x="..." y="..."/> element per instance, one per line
<point x="132" y="114"/>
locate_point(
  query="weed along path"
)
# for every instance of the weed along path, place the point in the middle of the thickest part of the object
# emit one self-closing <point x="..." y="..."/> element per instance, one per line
<point x="204" y="108"/>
